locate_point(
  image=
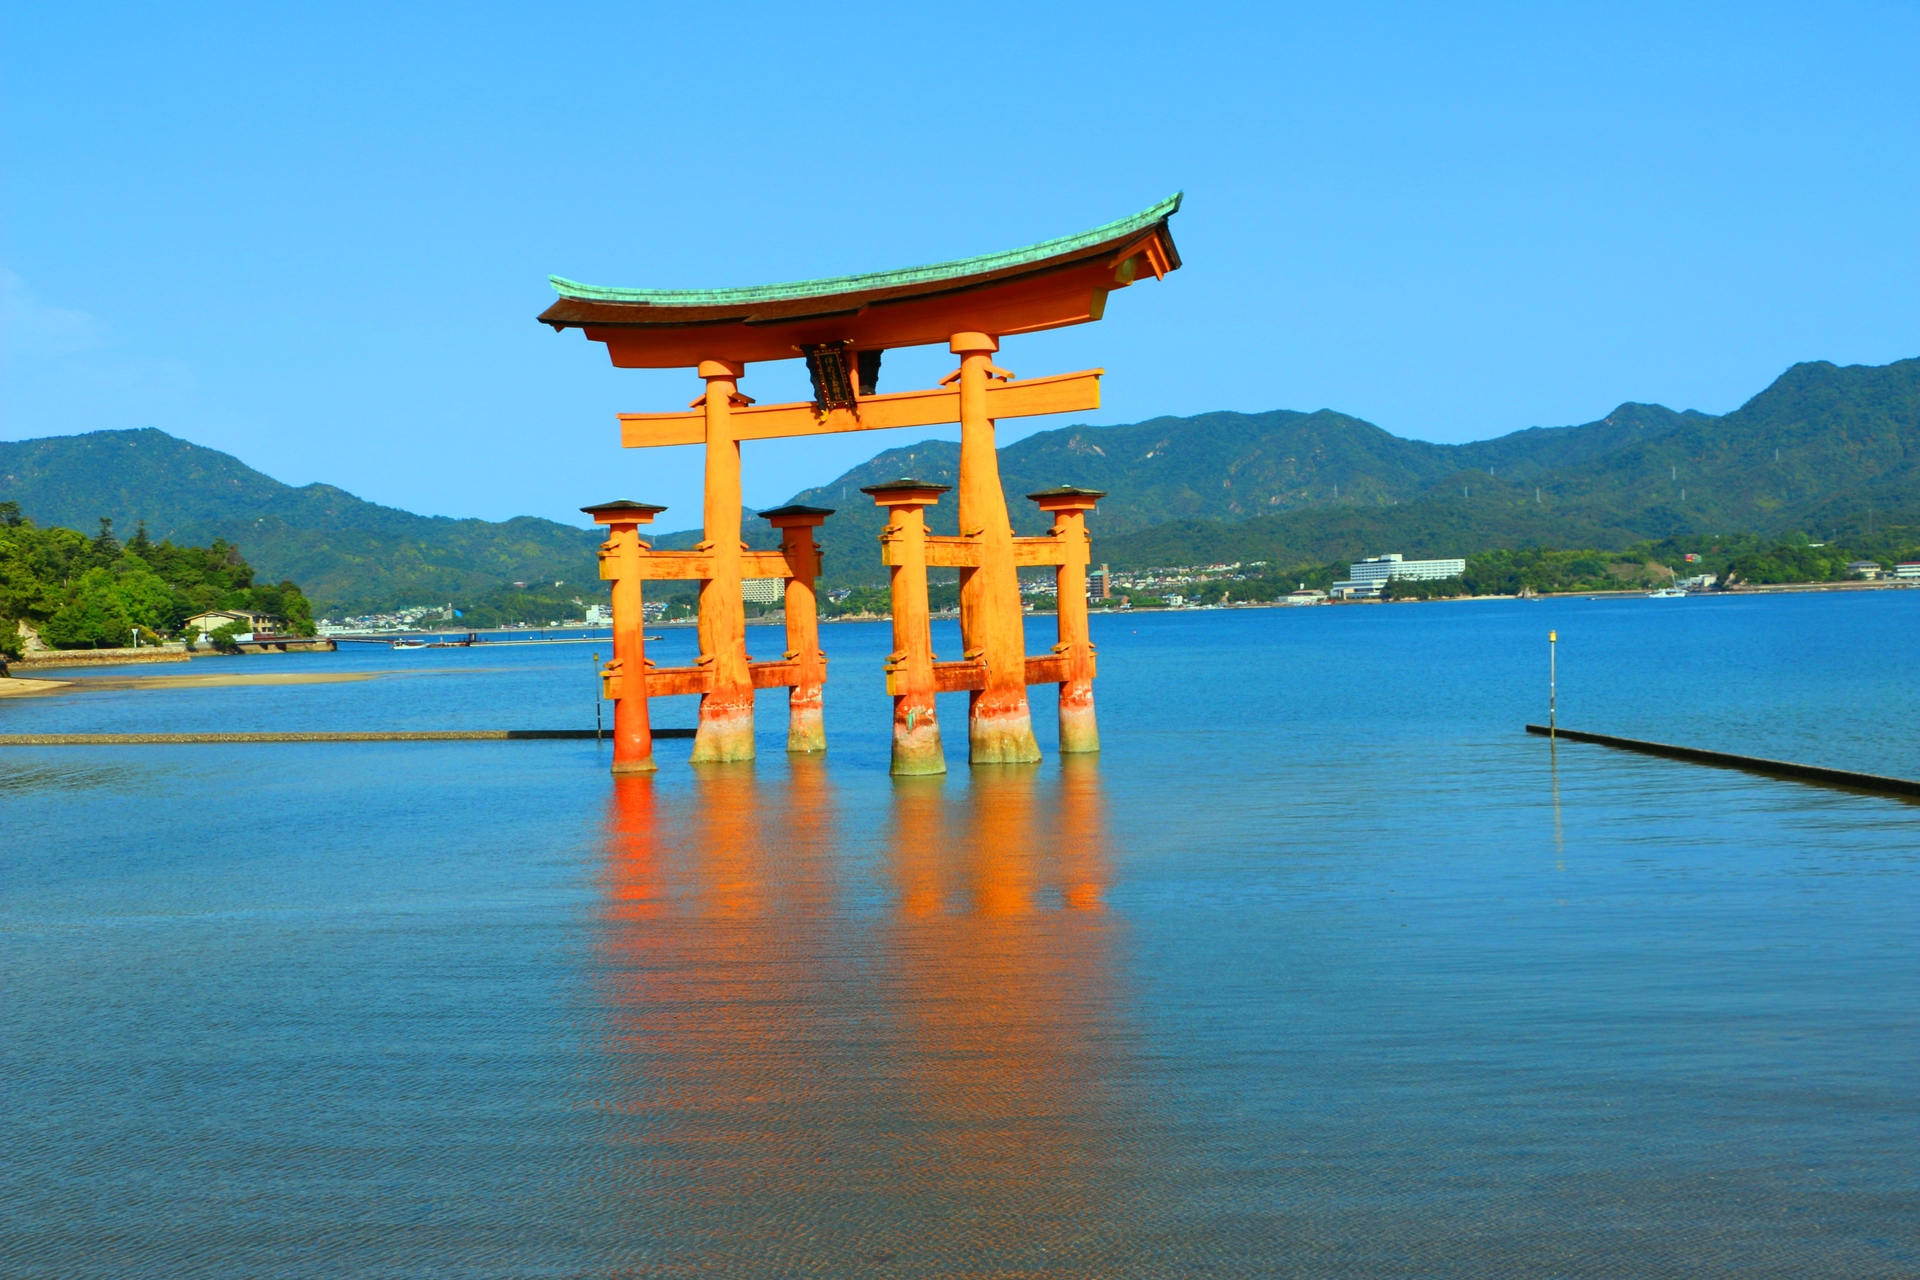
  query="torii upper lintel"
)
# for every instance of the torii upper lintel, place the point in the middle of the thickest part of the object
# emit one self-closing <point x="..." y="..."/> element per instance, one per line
<point x="1057" y="282"/>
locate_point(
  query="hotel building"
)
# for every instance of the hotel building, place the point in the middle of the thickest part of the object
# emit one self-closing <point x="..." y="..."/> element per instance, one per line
<point x="1366" y="578"/>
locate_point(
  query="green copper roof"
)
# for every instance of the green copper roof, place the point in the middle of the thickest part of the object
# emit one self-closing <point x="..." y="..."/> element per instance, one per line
<point x="904" y="483"/>
<point x="872" y="279"/>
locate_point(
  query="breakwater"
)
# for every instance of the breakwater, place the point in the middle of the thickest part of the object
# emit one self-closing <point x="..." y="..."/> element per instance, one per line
<point x="1877" y="784"/>
<point x="395" y="735"/>
<point x="101" y="657"/>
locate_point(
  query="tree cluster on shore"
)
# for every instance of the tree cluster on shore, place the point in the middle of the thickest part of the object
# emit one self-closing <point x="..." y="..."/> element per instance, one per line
<point x="81" y="592"/>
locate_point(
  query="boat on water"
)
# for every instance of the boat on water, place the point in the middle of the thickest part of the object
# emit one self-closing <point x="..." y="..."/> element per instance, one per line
<point x="465" y="642"/>
<point x="1667" y="593"/>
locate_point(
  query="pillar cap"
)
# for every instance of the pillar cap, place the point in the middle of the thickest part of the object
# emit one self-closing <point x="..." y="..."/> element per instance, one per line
<point x="906" y="492"/>
<point x="796" y="515"/>
<point x="1067" y="497"/>
<point x="722" y="368"/>
<point x="623" y="511"/>
<point x="962" y="343"/>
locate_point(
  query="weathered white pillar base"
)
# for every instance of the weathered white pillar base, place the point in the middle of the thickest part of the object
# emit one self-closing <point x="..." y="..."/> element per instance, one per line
<point x="725" y="731"/>
<point x="806" y="728"/>
<point x="1079" y="730"/>
<point x="1001" y="735"/>
<point x="916" y="743"/>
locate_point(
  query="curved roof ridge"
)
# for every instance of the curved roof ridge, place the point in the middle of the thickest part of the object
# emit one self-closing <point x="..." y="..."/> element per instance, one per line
<point x="958" y="268"/>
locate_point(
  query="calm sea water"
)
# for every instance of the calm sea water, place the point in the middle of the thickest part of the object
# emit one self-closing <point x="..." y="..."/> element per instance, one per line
<point x="1321" y="968"/>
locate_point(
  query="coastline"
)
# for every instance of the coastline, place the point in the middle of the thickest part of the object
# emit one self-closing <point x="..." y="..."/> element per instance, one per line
<point x="777" y="619"/>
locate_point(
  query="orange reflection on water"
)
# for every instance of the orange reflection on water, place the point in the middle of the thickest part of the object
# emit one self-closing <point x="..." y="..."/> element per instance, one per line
<point x="1006" y="1004"/>
<point x="806" y="1078"/>
<point x="634" y="890"/>
<point x="1082" y="836"/>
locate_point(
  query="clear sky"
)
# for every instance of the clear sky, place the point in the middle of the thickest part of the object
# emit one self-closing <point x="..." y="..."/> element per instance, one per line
<point x="317" y="236"/>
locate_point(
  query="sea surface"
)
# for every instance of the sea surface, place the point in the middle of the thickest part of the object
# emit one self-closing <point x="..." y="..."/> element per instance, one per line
<point x="1321" y="968"/>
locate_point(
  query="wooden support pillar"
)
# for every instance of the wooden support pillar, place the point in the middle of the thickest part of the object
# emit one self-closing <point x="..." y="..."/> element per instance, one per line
<point x="806" y="728"/>
<point x="916" y="730"/>
<point x="624" y="678"/>
<point x="1000" y="727"/>
<point x="725" y="730"/>
<point x="1069" y="506"/>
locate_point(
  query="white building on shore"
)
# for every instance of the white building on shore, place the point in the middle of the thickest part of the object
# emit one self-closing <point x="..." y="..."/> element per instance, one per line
<point x="1366" y="578"/>
<point x="764" y="591"/>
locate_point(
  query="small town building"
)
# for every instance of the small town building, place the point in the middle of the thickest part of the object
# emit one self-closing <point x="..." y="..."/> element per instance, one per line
<point x="1306" y="595"/>
<point x="1907" y="569"/>
<point x="1868" y="569"/>
<point x="246" y="619"/>
<point x="1104" y="587"/>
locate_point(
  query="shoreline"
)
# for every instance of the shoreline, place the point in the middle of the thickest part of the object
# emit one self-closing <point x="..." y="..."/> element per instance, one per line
<point x="38" y="658"/>
<point x="1761" y="589"/>
<point x="774" y="620"/>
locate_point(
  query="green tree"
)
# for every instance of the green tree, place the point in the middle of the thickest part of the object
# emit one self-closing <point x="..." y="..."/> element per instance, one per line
<point x="90" y="620"/>
<point x="106" y="547"/>
<point x="1423" y="589"/>
<point x="1790" y="563"/>
<point x="857" y="600"/>
<point x="223" y="637"/>
<point x="142" y="595"/>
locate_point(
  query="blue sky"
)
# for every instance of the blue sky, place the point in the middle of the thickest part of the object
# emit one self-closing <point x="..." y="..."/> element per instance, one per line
<point x="317" y="236"/>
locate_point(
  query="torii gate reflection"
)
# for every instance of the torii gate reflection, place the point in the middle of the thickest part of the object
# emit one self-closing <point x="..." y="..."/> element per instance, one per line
<point x="802" y="1077"/>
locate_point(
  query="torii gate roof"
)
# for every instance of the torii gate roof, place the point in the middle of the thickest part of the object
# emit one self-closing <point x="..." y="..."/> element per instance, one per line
<point x="1044" y="286"/>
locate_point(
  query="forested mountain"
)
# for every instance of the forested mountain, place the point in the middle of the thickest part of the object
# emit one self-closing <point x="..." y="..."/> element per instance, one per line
<point x="1823" y="450"/>
<point x="349" y="554"/>
<point x="1299" y="487"/>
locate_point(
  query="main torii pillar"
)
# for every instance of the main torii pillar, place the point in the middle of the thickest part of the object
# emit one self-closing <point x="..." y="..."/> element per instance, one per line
<point x="842" y="327"/>
<point x="726" y="709"/>
<point x="992" y="623"/>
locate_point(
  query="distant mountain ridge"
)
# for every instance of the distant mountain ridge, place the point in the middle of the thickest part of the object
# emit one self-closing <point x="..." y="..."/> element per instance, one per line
<point x="347" y="553"/>
<point x="1824" y="449"/>
<point x="1314" y="487"/>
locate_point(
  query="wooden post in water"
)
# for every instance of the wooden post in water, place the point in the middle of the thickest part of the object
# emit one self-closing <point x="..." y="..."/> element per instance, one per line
<point x="992" y="629"/>
<point x="806" y="727"/>
<point x="1079" y="732"/>
<point x="624" y="679"/>
<point x="726" y="708"/>
<point x="903" y="548"/>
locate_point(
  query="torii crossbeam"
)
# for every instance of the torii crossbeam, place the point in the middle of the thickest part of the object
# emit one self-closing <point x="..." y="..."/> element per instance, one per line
<point x="841" y="327"/>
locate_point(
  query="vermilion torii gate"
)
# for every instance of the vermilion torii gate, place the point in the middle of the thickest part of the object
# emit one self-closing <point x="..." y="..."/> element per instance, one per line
<point x="841" y="327"/>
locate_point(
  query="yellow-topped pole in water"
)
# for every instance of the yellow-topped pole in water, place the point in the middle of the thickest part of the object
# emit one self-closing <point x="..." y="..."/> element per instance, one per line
<point x="1553" y="641"/>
